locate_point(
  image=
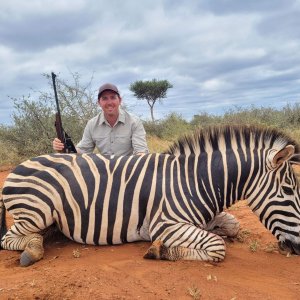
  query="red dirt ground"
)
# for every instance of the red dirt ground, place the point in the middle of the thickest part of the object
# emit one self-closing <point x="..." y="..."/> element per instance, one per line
<point x="253" y="269"/>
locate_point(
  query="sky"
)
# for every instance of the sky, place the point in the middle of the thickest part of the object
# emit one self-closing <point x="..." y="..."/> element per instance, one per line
<point x="217" y="54"/>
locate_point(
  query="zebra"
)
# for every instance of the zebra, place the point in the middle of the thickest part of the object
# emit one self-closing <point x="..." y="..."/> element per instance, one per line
<point x="175" y="199"/>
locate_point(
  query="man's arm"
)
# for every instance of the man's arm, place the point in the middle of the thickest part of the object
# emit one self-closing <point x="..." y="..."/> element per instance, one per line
<point x="139" y="142"/>
<point x="87" y="144"/>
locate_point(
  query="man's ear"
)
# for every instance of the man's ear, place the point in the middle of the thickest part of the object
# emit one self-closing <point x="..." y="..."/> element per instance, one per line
<point x="283" y="155"/>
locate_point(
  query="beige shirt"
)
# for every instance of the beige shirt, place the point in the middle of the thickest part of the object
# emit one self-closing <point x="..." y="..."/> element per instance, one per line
<point x="126" y="137"/>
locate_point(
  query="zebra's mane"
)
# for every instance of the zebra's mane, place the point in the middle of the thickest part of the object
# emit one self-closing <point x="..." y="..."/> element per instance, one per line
<point x="197" y="141"/>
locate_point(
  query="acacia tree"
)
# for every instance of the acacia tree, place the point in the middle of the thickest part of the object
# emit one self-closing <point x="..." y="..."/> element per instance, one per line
<point x="151" y="91"/>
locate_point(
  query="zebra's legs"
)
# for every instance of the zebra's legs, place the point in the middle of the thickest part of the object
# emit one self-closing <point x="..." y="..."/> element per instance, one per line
<point x="32" y="244"/>
<point x="224" y="224"/>
<point x="187" y="242"/>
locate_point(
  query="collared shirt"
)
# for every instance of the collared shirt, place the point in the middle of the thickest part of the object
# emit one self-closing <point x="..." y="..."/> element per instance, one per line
<point x="126" y="137"/>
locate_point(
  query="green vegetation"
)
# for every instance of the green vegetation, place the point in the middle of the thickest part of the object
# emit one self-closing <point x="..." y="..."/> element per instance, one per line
<point x="151" y="91"/>
<point x="173" y="126"/>
<point x="33" y="129"/>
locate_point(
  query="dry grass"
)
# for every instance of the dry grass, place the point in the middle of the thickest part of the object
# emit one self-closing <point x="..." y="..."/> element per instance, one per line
<point x="254" y="245"/>
<point x="76" y="253"/>
<point x="8" y="155"/>
<point x="243" y="235"/>
<point x="194" y="292"/>
<point x="271" y="247"/>
<point x="157" y="145"/>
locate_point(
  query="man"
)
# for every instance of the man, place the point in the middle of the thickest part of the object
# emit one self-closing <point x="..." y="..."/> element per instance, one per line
<point x="113" y="131"/>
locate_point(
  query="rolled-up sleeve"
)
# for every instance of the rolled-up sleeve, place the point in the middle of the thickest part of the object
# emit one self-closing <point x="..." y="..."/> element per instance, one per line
<point x="139" y="142"/>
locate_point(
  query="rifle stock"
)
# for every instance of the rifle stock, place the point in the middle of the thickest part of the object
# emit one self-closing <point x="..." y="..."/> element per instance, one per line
<point x="61" y="134"/>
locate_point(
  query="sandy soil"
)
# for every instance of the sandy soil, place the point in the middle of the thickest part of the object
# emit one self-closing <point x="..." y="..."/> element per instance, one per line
<point x="253" y="269"/>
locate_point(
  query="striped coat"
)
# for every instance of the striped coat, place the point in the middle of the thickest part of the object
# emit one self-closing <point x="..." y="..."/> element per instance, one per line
<point x="176" y="199"/>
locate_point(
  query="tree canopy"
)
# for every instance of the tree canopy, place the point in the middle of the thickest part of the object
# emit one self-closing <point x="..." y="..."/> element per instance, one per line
<point x="151" y="91"/>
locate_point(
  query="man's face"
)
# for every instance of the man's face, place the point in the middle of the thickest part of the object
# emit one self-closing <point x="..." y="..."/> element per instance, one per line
<point x="110" y="102"/>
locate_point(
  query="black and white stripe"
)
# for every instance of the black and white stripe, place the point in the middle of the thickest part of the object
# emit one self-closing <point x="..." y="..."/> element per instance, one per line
<point x="173" y="198"/>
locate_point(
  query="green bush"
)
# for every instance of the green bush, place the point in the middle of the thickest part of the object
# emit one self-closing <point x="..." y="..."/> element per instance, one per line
<point x="169" y="128"/>
<point x="33" y="129"/>
<point x="34" y="117"/>
<point x="205" y="120"/>
<point x="8" y="152"/>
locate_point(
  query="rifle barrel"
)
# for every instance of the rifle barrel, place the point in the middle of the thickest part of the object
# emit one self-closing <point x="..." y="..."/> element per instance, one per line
<point x="55" y="92"/>
<point x="61" y="134"/>
<point x="58" y="122"/>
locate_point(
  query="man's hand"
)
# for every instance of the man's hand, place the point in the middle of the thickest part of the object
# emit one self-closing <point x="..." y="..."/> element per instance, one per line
<point x="140" y="153"/>
<point x="57" y="145"/>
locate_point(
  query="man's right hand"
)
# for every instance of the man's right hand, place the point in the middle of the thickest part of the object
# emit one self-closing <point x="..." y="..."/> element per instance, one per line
<point x="57" y="145"/>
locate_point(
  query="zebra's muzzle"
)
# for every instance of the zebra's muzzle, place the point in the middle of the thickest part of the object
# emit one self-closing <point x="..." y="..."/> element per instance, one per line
<point x="288" y="247"/>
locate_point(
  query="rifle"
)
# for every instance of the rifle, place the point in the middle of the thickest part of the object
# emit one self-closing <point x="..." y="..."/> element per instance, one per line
<point x="61" y="134"/>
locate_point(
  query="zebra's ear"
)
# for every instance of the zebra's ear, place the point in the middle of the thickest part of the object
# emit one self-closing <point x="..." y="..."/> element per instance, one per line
<point x="283" y="155"/>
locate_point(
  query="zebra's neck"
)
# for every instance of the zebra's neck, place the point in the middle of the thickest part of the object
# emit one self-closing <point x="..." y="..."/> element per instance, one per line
<point x="213" y="181"/>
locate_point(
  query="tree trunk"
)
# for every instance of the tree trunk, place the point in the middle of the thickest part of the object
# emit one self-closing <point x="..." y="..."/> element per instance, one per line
<point x="151" y="105"/>
<point x="152" y="115"/>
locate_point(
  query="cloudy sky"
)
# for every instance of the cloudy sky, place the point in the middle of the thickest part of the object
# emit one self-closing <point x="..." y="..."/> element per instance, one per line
<point x="217" y="54"/>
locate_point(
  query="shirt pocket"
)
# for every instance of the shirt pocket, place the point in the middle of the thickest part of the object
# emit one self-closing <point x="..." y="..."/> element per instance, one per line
<point x="123" y="140"/>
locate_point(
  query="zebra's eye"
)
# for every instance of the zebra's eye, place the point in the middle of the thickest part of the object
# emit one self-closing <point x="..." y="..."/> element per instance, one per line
<point x="287" y="190"/>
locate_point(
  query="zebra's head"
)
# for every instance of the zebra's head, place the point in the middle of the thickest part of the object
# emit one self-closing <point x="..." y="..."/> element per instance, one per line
<point x="253" y="163"/>
<point x="277" y="200"/>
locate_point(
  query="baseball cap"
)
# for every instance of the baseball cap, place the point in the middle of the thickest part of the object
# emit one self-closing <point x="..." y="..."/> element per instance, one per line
<point x="108" y="87"/>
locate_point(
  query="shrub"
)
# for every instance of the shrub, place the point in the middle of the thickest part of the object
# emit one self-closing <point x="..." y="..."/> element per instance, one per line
<point x="169" y="128"/>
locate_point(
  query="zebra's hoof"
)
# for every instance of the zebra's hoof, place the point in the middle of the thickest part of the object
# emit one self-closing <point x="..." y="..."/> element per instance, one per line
<point x="26" y="259"/>
<point x="154" y="252"/>
<point x="33" y="252"/>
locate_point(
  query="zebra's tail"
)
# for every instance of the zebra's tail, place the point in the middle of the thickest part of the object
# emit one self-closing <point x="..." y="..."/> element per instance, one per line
<point x="3" y="227"/>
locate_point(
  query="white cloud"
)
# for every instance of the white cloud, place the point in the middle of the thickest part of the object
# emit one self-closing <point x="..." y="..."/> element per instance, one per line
<point x="215" y="54"/>
<point x="17" y="9"/>
<point x="214" y="85"/>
